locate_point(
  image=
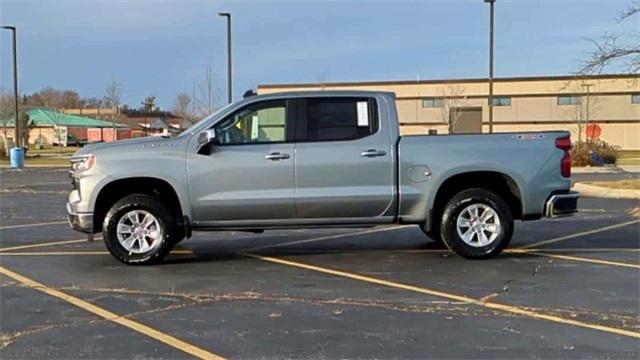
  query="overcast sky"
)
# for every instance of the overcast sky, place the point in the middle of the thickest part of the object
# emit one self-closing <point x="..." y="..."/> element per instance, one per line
<point x="159" y="47"/>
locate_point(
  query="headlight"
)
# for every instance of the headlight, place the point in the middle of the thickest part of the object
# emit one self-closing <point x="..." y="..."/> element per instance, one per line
<point x="83" y="162"/>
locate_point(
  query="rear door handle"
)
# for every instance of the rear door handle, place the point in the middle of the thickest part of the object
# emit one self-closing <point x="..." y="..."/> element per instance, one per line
<point x="373" y="153"/>
<point x="274" y="156"/>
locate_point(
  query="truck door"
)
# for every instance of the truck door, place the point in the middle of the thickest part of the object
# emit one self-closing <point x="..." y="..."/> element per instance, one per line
<point x="247" y="175"/>
<point x="344" y="159"/>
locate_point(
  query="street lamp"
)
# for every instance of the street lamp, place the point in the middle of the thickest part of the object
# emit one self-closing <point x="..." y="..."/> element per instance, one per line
<point x="16" y="133"/>
<point x="491" y="10"/>
<point x="229" y="80"/>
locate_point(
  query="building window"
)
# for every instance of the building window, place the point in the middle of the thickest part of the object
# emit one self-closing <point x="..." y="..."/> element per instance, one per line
<point x="635" y="98"/>
<point x="501" y="101"/>
<point x="432" y="102"/>
<point x="569" y="100"/>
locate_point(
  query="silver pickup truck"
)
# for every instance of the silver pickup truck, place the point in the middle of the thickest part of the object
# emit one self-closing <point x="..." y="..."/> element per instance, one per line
<point x="315" y="159"/>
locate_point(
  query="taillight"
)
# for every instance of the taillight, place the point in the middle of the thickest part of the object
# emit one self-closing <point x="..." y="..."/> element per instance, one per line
<point x="564" y="143"/>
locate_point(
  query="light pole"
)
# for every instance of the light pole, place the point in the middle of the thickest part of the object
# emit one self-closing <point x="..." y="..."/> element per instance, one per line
<point x="491" y="11"/>
<point x="588" y="87"/>
<point x="16" y="134"/>
<point x="229" y="72"/>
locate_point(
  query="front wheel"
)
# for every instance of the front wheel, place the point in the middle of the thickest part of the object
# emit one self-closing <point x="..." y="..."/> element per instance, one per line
<point x="477" y="224"/>
<point x="139" y="229"/>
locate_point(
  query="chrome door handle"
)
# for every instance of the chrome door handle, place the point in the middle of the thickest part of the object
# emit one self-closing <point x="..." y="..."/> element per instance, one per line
<point x="276" y="156"/>
<point x="373" y="153"/>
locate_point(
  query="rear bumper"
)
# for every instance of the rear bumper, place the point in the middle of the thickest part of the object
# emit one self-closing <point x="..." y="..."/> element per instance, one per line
<point x="82" y="222"/>
<point x="562" y="204"/>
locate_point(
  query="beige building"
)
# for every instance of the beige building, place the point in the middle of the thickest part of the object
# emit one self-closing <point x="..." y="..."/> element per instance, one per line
<point x="612" y="102"/>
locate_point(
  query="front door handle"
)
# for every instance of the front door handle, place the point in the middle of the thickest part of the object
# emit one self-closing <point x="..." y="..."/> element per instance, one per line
<point x="373" y="153"/>
<point x="274" y="156"/>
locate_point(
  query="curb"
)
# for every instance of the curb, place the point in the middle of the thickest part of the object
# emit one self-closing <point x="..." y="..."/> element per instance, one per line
<point x="606" y="169"/>
<point x="46" y="166"/>
<point x="603" y="192"/>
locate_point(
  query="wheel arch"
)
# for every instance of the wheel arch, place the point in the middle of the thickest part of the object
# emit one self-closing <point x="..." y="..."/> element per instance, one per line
<point x="119" y="188"/>
<point x="496" y="181"/>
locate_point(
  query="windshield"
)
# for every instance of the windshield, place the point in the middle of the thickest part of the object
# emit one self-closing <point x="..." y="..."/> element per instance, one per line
<point x="193" y="127"/>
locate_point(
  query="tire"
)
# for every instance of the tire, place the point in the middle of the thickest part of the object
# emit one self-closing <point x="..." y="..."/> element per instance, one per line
<point x="469" y="208"/>
<point x="143" y="248"/>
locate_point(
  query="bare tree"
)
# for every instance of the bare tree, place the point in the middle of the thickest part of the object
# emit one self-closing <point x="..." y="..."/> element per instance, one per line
<point x="587" y="105"/>
<point x="453" y="102"/>
<point x="25" y="128"/>
<point x="615" y="48"/>
<point x="149" y="104"/>
<point x="92" y="103"/>
<point x="6" y="114"/>
<point x="54" y="98"/>
<point x="182" y="106"/>
<point x="112" y="100"/>
<point x="206" y="99"/>
<point x="322" y="79"/>
<point x="60" y="131"/>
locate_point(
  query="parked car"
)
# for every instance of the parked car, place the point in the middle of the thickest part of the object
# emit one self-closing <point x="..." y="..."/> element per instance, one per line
<point x="329" y="158"/>
<point x="72" y="140"/>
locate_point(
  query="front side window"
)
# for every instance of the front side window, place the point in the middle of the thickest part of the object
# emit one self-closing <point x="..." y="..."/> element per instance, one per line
<point x="260" y="123"/>
<point x="569" y="100"/>
<point x="336" y="119"/>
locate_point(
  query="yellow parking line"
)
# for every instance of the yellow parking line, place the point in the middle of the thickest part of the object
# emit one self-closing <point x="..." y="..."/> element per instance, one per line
<point x="31" y="225"/>
<point x="576" y="250"/>
<point x="583" y="233"/>
<point x="110" y="316"/>
<point x="491" y="305"/>
<point x="582" y="259"/>
<point x="54" y="253"/>
<point x="30" y="246"/>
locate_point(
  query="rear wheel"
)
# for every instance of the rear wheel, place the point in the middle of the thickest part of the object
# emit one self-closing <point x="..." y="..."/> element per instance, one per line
<point x="139" y="229"/>
<point x="476" y="224"/>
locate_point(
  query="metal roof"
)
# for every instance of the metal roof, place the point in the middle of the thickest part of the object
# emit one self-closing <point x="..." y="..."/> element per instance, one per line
<point x="48" y="118"/>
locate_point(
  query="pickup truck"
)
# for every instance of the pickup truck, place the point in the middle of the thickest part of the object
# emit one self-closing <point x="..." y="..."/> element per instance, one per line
<point x="316" y="159"/>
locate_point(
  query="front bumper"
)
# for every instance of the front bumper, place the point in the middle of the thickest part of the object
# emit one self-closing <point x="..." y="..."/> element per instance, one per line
<point x="82" y="222"/>
<point x="562" y="204"/>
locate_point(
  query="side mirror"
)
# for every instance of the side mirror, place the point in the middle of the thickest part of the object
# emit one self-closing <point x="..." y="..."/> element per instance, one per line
<point x="206" y="137"/>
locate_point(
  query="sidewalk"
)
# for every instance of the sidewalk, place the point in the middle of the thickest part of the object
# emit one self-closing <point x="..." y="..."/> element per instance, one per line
<point x="606" y="169"/>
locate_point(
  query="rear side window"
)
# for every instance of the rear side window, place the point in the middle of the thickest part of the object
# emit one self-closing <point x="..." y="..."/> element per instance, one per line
<point x="336" y="119"/>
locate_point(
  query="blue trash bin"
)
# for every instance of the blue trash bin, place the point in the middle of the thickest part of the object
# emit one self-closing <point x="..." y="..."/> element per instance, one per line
<point x="16" y="155"/>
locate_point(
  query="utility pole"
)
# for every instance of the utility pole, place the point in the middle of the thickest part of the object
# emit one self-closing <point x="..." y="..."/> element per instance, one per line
<point x="588" y="87"/>
<point x="16" y="134"/>
<point x="229" y="72"/>
<point x="491" y="13"/>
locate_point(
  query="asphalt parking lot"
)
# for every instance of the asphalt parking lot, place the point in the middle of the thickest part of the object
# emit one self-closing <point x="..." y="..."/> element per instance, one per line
<point x="566" y="288"/>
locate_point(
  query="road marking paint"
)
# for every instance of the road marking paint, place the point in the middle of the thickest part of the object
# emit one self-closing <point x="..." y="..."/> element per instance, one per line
<point x="521" y="250"/>
<point x="583" y="233"/>
<point x="32" y="225"/>
<point x="329" y="237"/>
<point x="31" y="246"/>
<point x="578" y="250"/>
<point x="54" y="253"/>
<point x="113" y="317"/>
<point x="581" y="259"/>
<point x="463" y="298"/>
